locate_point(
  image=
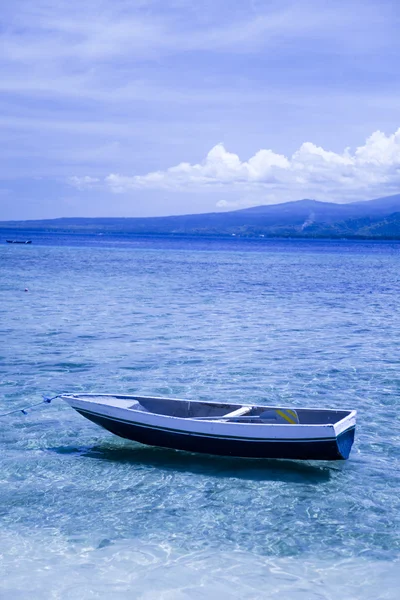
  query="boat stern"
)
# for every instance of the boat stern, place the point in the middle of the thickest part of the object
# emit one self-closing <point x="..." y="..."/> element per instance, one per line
<point x="345" y="442"/>
<point x="345" y="431"/>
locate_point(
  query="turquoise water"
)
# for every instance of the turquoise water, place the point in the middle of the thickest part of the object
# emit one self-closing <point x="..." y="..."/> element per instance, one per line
<point x="85" y="514"/>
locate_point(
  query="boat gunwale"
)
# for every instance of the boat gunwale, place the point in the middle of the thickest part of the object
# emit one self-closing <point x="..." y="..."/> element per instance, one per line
<point x="337" y="426"/>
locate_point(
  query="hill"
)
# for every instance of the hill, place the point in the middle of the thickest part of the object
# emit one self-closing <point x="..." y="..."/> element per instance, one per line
<point x="379" y="218"/>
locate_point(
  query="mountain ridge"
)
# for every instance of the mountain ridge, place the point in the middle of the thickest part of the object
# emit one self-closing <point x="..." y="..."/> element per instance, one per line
<point x="377" y="218"/>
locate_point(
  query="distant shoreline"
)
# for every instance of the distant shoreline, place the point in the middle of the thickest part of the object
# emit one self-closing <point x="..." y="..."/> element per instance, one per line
<point x="377" y="219"/>
<point x="6" y="231"/>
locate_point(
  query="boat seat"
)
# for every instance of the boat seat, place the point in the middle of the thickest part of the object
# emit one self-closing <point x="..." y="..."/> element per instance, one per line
<point x="243" y="410"/>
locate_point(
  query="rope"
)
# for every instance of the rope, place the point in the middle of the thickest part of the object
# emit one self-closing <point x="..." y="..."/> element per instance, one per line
<point x="26" y="408"/>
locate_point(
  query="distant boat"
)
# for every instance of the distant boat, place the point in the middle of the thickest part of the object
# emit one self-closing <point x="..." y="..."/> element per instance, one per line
<point x="253" y="431"/>
<point x="19" y="241"/>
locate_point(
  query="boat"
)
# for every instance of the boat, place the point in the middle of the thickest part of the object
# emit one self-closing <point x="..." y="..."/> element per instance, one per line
<point x="19" y="241"/>
<point x="240" y="430"/>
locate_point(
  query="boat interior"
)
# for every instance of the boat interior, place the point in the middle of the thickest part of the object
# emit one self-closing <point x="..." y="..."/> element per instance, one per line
<point x="245" y="413"/>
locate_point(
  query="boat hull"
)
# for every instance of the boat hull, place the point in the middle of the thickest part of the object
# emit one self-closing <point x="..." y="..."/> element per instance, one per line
<point x="335" y="448"/>
<point x="19" y="242"/>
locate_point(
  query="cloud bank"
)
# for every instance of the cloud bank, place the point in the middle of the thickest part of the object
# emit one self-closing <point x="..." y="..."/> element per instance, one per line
<point x="123" y="100"/>
<point x="373" y="167"/>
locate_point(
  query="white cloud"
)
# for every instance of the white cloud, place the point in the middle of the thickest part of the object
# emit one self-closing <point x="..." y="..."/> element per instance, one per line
<point x="83" y="183"/>
<point x="243" y="202"/>
<point x="373" y="167"/>
<point x="78" y="39"/>
<point x="220" y="167"/>
<point x="92" y="30"/>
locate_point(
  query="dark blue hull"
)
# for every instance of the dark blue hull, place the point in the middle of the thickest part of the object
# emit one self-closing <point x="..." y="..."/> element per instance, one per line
<point x="322" y="449"/>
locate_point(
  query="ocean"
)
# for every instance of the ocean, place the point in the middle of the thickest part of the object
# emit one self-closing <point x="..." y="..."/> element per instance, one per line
<point x="87" y="515"/>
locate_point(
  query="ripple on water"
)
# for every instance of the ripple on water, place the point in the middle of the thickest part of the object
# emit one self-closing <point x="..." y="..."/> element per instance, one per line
<point x="87" y="515"/>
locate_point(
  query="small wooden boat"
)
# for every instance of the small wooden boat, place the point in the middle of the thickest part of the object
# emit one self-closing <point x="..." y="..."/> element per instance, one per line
<point x="241" y="430"/>
<point x="19" y="241"/>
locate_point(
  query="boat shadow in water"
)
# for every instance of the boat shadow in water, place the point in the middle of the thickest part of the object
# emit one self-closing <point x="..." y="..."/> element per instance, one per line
<point x="261" y="469"/>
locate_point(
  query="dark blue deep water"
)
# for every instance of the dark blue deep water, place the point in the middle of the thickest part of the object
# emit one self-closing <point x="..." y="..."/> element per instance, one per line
<point x="304" y="323"/>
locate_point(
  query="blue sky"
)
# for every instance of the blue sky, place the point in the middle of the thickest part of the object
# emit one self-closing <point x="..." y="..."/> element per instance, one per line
<point x="141" y="107"/>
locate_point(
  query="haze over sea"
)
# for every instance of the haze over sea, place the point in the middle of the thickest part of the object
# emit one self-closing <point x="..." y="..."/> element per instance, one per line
<point x="85" y="514"/>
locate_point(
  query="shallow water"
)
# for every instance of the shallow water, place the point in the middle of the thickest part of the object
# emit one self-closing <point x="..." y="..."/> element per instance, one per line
<point x="87" y="515"/>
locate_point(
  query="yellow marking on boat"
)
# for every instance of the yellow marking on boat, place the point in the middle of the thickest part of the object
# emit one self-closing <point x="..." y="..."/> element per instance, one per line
<point x="289" y="415"/>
